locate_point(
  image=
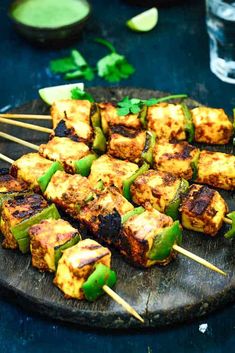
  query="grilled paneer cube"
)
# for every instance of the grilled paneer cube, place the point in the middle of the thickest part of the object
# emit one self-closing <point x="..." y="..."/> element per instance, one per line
<point x="167" y="121"/>
<point x="76" y="114"/>
<point x="47" y="241"/>
<point x="76" y="265"/>
<point x="17" y="210"/>
<point x="103" y="211"/>
<point x="64" y="150"/>
<point x="69" y="192"/>
<point x="10" y="187"/>
<point x="155" y="189"/>
<point x="203" y="210"/>
<point x="111" y="171"/>
<point x="176" y="158"/>
<point x="138" y="235"/>
<point x="126" y="143"/>
<point x="29" y="168"/>
<point x="211" y="125"/>
<point x="110" y="117"/>
<point x="216" y="169"/>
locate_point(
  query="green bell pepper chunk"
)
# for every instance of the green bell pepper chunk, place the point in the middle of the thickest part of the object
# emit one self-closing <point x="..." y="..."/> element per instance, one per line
<point x="172" y="209"/>
<point x="163" y="242"/>
<point x="127" y="183"/>
<point x="83" y="166"/>
<point x="58" y="250"/>
<point x="95" y="116"/>
<point x="142" y="116"/>
<point x="44" y="180"/>
<point x="147" y="154"/>
<point x="189" y="127"/>
<point x="194" y="166"/>
<point x="20" y="231"/>
<point x="99" y="142"/>
<point x="231" y="233"/>
<point x="135" y="211"/>
<point x="93" y="287"/>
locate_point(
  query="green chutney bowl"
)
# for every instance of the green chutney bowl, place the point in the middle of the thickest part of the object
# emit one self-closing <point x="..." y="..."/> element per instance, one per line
<point x="46" y="36"/>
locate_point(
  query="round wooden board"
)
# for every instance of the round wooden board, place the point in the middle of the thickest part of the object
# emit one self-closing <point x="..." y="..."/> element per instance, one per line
<point x="183" y="290"/>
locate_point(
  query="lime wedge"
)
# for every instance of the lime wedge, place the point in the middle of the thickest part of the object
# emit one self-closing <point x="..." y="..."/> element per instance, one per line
<point x="145" y="21"/>
<point x="51" y="94"/>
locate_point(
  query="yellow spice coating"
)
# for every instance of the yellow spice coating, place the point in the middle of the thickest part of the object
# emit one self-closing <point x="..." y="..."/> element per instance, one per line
<point x="203" y="210"/>
<point x="167" y="121"/>
<point x="216" y="169"/>
<point x="176" y="158"/>
<point x="211" y="125"/>
<point x="111" y="171"/>
<point x="77" y="116"/>
<point x="76" y="265"/>
<point x="44" y="237"/>
<point x="10" y="184"/>
<point x="64" y="150"/>
<point x="155" y="189"/>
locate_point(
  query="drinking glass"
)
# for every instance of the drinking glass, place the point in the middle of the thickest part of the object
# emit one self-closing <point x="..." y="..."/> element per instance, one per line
<point x="220" y="20"/>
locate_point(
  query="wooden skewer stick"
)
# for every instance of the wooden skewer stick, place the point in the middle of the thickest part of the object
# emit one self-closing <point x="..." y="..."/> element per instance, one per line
<point x="198" y="259"/>
<point x="18" y="140"/>
<point x="6" y="159"/>
<point x="122" y="302"/>
<point x="227" y="220"/>
<point x="26" y="116"/>
<point x="25" y="125"/>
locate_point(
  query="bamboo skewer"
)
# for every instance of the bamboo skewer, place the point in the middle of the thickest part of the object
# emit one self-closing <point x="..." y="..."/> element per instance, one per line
<point x="122" y="302"/>
<point x="175" y="247"/>
<point x="26" y="116"/>
<point x="198" y="259"/>
<point x="25" y="125"/>
<point x="6" y="159"/>
<point x="18" y="140"/>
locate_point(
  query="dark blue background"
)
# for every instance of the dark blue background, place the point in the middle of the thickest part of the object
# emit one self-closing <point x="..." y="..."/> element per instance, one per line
<point x="174" y="58"/>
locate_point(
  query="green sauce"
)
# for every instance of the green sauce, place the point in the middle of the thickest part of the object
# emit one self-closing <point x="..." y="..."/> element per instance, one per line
<point x="50" y="13"/>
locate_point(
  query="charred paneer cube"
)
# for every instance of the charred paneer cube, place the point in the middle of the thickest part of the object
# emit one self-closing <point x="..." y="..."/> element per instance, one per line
<point x="212" y="126"/>
<point x="10" y="187"/>
<point x="126" y="143"/>
<point x="179" y="159"/>
<point x="167" y="121"/>
<point x="111" y="171"/>
<point x="48" y="239"/>
<point x="75" y="114"/>
<point x="155" y="189"/>
<point x="76" y="265"/>
<point x="102" y="216"/>
<point x="203" y="210"/>
<point x="29" y="168"/>
<point x="138" y="235"/>
<point x="69" y="191"/>
<point x="216" y="169"/>
<point x="64" y="150"/>
<point x="110" y="117"/>
<point x="14" y="212"/>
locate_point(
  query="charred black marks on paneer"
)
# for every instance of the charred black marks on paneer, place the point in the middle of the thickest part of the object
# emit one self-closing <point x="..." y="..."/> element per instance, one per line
<point x="201" y="199"/>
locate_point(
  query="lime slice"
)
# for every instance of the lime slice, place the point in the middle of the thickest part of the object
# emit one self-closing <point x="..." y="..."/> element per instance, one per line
<point x="145" y="21"/>
<point x="51" y="94"/>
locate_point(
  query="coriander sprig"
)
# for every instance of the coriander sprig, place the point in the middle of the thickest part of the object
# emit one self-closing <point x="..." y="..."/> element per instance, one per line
<point x="77" y="93"/>
<point x="134" y="105"/>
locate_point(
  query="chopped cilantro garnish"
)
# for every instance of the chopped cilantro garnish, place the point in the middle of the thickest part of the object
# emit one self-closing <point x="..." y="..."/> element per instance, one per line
<point x="77" y="93"/>
<point x="134" y="105"/>
<point x="74" y="66"/>
<point x="113" y="67"/>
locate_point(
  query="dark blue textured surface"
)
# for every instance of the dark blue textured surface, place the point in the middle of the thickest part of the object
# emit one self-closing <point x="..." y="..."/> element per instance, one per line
<point x="173" y="57"/>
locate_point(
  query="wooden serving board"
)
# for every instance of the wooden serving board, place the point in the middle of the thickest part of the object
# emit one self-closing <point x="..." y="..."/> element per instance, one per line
<point x="184" y="290"/>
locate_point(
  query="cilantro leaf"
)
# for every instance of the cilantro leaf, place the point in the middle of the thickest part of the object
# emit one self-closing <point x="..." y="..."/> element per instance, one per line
<point x="62" y="65"/>
<point x="77" y="93"/>
<point x="150" y="101"/>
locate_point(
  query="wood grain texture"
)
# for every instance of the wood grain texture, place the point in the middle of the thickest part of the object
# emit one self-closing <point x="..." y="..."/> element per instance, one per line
<point x="184" y="290"/>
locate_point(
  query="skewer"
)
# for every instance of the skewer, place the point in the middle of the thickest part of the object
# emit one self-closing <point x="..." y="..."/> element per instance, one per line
<point x="26" y="116"/>
<point x="122" y="302"/>
<point x="198" y="259"/>
<point x="25" y="125"/>
<point x="18" y="140"/>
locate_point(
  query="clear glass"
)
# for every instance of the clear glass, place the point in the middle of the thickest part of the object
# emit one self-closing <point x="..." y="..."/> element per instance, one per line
<point x="220" y="20"/>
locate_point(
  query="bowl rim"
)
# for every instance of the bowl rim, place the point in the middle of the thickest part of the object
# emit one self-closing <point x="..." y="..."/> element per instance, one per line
<point x="15" y="3"/>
